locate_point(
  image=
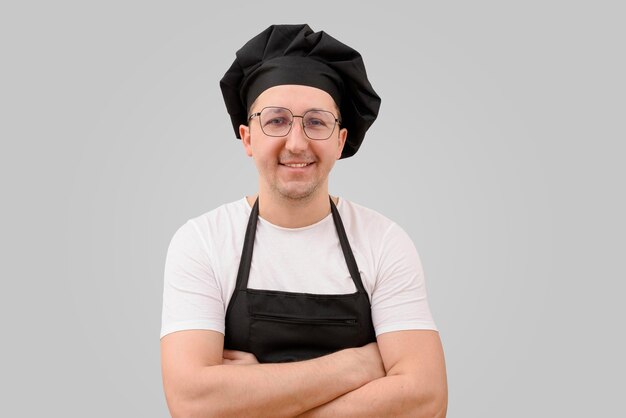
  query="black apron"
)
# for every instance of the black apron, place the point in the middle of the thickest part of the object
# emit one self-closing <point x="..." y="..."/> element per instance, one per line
<point x="279" y="326"/>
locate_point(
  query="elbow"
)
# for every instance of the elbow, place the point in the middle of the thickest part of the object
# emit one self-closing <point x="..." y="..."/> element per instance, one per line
<point x="182" y="404"/>
<point x="178" y="405"/>
<point x="426" y="403"/>
<point x="434" y="401"/>
<point x="184" y="408"/>
<point x="178" y="410"/>
<point x="436" y="404"/>
<point x="439" y="409"/>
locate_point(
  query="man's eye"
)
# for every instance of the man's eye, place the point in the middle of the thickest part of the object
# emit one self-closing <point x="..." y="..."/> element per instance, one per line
<point x="276" y="121"/>
<point x="315" y="123"/>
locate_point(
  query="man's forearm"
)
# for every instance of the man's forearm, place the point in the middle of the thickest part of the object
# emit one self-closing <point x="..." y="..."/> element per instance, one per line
<point x="275" y="390"/>
<point x="415" y="384"/>
<point x="391" y="396"/>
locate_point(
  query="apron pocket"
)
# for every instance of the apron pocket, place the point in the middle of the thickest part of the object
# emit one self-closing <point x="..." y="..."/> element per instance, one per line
<point x="279" y="339"/>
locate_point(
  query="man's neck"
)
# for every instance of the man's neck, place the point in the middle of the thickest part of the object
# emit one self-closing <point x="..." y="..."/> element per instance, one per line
<point x="292" y="213"/>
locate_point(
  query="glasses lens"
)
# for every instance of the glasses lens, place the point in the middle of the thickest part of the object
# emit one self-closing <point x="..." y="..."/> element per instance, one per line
<point x="276" y="121"/>
<point x="318" y="124"/>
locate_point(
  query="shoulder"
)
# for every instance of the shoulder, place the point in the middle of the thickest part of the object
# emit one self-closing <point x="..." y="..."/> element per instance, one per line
<point x="223" y="215"/>
<point x="360" y="220"/>
<point x="215" y="224"/>
<point x="378" y="238"/>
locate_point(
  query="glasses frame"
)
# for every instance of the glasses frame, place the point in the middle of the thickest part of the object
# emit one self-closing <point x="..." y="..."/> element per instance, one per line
<point x="337" y="122"/>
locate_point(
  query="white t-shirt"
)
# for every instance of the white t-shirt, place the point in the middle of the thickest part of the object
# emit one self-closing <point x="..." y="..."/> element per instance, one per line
<point x="203" y="259"/>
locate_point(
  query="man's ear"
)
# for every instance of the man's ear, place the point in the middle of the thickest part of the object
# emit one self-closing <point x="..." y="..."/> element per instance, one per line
<point x="343" y="135"/>
<point x="244" y="133"/>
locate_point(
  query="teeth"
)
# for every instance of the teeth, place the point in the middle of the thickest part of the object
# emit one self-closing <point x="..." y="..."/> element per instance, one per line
<point x="297" y="165"/>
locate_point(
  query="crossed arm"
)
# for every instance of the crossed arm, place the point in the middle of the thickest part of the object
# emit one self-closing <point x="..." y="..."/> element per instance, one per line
<point x="402" y="375"/>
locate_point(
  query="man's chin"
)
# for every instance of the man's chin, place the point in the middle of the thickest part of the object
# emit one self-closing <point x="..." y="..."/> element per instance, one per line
<point x="300" y="192"/>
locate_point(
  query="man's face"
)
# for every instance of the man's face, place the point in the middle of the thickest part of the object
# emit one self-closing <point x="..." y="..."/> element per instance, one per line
<point x="293" y="166"/>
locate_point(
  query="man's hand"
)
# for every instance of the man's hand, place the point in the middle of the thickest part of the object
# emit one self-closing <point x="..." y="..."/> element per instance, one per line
<point x="238" y="357"/>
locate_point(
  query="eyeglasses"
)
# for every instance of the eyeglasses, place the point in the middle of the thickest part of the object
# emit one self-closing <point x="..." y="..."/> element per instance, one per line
<point x="278" y="121"/>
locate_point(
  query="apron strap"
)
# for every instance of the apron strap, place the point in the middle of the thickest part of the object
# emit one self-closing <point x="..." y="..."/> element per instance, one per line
<point x="248" y="245"/>
<point x="347" y="250"/>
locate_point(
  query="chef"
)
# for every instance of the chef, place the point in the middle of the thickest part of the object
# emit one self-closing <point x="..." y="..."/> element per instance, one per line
<point x="290" y="301"/>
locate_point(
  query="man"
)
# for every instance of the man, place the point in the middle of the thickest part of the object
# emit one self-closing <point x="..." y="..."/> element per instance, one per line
<point x="292" y="302"/>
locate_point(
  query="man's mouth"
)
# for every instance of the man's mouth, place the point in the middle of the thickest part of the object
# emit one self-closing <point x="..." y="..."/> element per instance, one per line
<point x="296" y="165"/>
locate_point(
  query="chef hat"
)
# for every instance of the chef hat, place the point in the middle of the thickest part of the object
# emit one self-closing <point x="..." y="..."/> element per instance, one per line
<point x="294" y="54"/>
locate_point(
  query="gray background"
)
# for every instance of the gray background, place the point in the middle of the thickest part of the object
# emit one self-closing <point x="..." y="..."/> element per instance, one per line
<point x="499" y="148"/>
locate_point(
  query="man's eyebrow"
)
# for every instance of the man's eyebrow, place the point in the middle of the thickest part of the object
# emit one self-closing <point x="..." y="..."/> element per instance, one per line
<point x="317" y="109"/>
<point x="277" y="109"/>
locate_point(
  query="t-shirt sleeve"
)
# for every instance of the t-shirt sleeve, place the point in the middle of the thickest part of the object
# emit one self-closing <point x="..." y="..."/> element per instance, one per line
<point x="399" y="300"/>
<point x="192" y="298"/>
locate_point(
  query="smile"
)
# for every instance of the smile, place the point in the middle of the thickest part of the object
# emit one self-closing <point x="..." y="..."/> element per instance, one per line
<point x="296" y="165"/>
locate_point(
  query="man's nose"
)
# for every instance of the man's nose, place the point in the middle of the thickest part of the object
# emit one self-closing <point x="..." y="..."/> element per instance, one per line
<point x="296" y="138"/>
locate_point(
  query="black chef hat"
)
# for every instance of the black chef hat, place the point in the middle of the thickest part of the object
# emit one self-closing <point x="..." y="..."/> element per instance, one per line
<point x="294" y="54"/>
